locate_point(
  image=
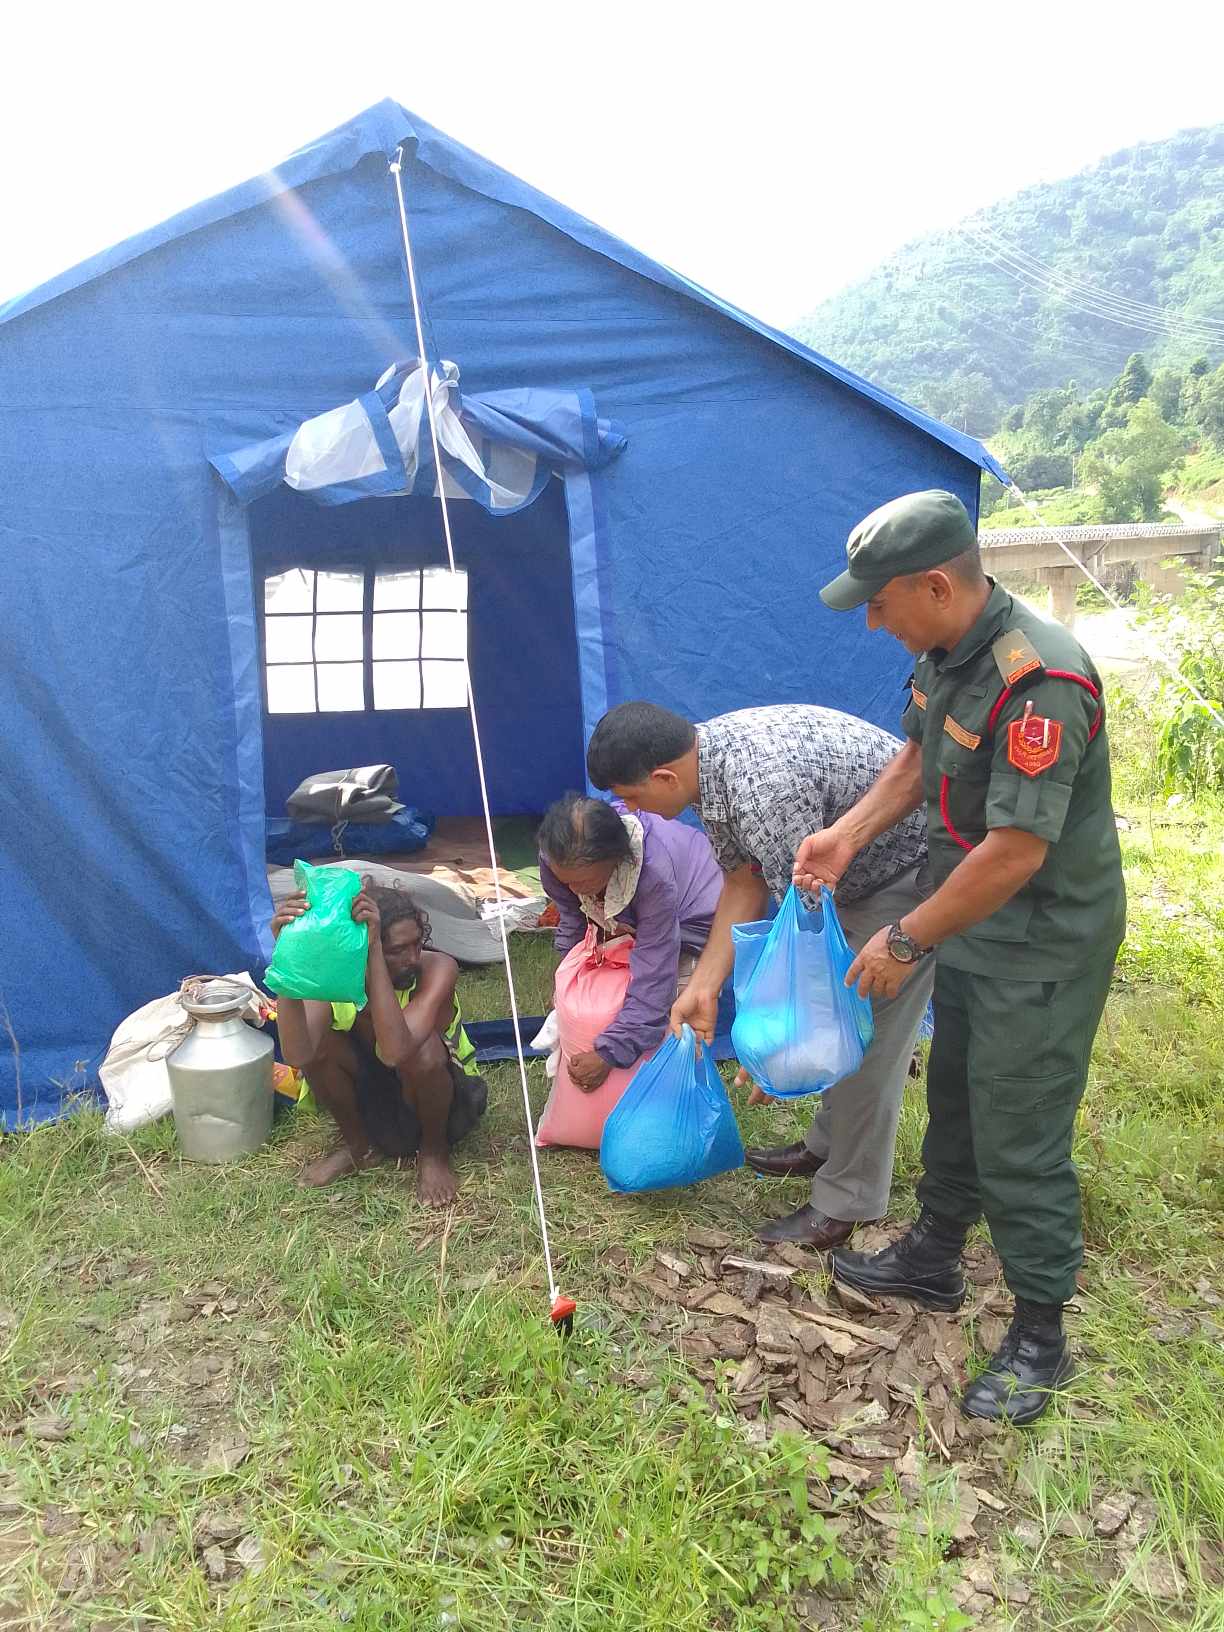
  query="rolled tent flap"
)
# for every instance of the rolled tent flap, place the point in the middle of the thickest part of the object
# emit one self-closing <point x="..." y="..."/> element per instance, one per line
<point x="498" y="450"/>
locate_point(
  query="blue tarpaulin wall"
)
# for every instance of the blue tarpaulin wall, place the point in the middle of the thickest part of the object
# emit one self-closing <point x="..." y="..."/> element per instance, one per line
<point x="133" y="797"/>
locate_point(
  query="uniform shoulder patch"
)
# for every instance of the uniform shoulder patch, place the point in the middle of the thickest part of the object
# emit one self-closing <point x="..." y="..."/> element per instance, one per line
<point x="1015" y="656"/>
<point x="1034" y="742"/>
<point x="920" y="697"/>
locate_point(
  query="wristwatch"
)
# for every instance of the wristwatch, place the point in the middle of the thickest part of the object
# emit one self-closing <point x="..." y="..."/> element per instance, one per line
<point x="904" y="947"/>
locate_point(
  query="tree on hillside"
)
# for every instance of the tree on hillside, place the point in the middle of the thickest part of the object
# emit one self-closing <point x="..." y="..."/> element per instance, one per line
<point x="1134" y="382"/>
<point x="967" y="401"/>
<point x="1039" y="470"/>
<point x="1042" y="437"/>
<point x="1049" y="417"/>
<point x="1130" y="387"/>
<point x="1192" y="387"/>
<point x="1209" y="408"/>
<point x="1131" y="466"/>
<point x="1080" y="423"/>
<point x="1024" y="292"/>
<point x="1166" y="393"/>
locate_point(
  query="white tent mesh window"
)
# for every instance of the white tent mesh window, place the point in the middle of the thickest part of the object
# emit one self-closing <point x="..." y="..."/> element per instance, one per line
<point x="342" y="642"/>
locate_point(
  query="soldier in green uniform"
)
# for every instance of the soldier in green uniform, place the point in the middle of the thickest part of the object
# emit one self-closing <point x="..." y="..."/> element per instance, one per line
<point x="1007" y="749"/>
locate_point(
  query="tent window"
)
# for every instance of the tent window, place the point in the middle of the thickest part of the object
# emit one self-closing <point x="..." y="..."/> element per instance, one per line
<point x="342" y="642"/>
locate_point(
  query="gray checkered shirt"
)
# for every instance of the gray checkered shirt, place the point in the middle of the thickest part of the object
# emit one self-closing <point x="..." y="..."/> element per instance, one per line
<point x="770" y="776"/>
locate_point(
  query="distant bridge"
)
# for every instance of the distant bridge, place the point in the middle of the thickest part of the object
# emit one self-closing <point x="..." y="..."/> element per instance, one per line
<point x="1103" y="549"/>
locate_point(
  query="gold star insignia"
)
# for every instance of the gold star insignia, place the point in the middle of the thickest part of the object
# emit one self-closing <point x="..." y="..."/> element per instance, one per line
<point x="1015" y="654"/>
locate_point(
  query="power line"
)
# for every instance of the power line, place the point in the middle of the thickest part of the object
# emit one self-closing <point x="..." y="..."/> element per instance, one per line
<point x="1083" y="298"/>
<point x="1137" y="314"/>
<point x="1101" y="311"/>
<point x="1143" y="309"/>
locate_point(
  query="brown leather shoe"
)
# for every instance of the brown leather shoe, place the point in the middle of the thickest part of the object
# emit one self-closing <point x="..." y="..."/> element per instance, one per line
<point x="808" y="1228"/>
<point x="783" y="1161"/>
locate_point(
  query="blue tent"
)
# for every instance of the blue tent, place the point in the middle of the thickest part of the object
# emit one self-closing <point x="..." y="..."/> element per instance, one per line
<point x="695" y="474"/>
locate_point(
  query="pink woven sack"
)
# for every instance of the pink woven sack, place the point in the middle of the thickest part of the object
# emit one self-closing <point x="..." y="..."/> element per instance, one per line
<point x="588" y="994"/>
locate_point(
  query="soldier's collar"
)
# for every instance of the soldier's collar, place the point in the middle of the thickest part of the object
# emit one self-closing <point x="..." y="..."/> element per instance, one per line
<point x="993" y="619"/>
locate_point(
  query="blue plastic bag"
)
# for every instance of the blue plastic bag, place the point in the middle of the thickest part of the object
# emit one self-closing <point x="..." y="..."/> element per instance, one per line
<point x="797" y="1029"/>
<point x="673" y="1125"/>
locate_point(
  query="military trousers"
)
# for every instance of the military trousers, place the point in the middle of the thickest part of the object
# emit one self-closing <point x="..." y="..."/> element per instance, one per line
<point x="1008" y="1065"/>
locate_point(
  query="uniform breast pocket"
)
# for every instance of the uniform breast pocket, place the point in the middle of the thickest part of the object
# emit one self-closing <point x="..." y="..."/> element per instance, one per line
<point x="964" y="782"/>
<point x="962" y="762"/>
<point x="964" y="751"/>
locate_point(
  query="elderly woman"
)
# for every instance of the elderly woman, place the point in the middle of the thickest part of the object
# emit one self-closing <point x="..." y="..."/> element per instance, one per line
<point x="641" y="875"/>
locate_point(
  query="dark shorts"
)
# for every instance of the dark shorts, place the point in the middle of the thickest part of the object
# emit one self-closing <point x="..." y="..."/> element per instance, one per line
<point x="392" y="1124"/>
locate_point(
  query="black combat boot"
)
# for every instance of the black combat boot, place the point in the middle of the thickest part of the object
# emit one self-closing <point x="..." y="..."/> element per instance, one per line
<point x="924" y="1265"/>
<point x="1032" y="1361"/>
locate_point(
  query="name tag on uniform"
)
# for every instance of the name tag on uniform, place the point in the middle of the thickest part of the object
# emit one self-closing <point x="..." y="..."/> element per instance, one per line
<point x="967" y="739"/>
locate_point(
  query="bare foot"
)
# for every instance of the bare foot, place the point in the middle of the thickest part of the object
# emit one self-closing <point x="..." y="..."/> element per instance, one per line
<point x="336" y="1164"/>
<point x="436" y="1184"/>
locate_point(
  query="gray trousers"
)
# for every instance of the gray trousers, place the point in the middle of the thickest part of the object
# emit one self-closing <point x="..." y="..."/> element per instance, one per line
<point x="855" y="1126"/>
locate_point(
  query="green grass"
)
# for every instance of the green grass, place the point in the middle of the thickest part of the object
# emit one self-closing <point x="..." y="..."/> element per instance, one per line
<point x="1059" y="507"/>
<point x="1151" y="1153"/>
<point x="1074" y="507"/>
<point x="1201" y="480"/>
<point x="1149" y="1412"/>
<point x="422" y="1445"/>
<point x="483" y="991"/>
<point x="424" y="1452"/>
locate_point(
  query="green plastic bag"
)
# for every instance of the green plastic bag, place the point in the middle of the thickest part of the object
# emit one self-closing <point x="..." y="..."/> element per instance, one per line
<point x="322" y="954"/>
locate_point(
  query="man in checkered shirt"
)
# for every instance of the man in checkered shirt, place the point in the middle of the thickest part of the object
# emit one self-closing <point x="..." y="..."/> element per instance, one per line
<point x="762" y="780"/>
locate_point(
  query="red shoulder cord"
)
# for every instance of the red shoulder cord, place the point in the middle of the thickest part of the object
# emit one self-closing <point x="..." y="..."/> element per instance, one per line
<point x="1050" y="674"/>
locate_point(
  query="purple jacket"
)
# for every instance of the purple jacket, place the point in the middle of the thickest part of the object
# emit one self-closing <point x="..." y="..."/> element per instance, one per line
<point x="673" y="907"/>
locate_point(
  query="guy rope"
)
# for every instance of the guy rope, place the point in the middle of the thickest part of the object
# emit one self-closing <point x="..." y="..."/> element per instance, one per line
<point x="562" y="1308"/>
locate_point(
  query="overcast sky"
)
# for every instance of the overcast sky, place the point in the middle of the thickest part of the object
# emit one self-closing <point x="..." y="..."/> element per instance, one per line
<point x="771" y="152"/>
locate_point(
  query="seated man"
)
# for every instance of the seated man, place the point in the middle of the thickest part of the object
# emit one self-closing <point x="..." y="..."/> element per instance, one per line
<point x="399" y="1076"/>
<point x="762" y="780"/>
<point x="639" y="875"/>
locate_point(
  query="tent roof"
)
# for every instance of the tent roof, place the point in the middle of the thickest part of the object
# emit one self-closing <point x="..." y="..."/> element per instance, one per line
<point x="380" y="130"/>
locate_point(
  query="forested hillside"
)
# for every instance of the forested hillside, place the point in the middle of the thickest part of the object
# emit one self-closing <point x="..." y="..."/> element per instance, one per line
<point x="1061" y="283"/>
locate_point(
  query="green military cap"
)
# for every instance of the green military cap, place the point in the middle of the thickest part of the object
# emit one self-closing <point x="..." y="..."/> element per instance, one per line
<point x="909" y="534"/>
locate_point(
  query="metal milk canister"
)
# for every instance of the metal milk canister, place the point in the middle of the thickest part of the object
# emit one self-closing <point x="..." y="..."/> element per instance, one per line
<point x="220" y="1075"/>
